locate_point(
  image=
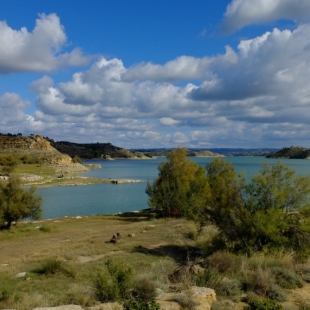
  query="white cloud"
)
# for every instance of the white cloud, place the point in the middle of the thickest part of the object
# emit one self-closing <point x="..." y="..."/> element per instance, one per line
<point x="240" y="13"/>
<point x="167" y="121"/>
<point x="36" y="51"/>
<point x="240" y="98"/>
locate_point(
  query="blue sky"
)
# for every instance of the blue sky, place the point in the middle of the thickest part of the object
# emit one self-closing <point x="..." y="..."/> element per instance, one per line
<point x="145" y="73"/>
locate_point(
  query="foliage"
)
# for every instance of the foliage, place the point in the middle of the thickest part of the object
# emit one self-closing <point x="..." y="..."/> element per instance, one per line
<point x="52" y="266"/>
<point x="8" y="160"/>
<point x="114" y="284"/>
<point x="145" y="289"/>
<point x="265" y="304"/>
<point x="140" y="304"/>
<point x="181" y="188"/>
<point x="270" y="212"/>
<point x="77" y="159"/>
<point x="16" y="203"/>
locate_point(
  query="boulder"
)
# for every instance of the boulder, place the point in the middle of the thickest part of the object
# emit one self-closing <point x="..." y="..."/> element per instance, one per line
<point x="201" y="297"/>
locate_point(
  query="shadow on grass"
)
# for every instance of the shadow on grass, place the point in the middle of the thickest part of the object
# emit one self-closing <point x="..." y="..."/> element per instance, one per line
<point x="180" y="254"/>
<point x="138" y="216"/>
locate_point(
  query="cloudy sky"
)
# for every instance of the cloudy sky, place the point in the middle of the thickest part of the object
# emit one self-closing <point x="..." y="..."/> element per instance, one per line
<point x="142" y="73"/>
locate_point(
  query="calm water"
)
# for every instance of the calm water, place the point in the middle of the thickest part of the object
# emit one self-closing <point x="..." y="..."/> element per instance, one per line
<point x="109" y="198"/>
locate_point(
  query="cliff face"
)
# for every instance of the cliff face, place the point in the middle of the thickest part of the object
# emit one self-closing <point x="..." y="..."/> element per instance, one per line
<point x="34" y="145"/>
<point x="296" y="152"/>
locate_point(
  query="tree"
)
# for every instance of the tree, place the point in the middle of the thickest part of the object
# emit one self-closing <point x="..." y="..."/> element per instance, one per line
<point x="181" y="187"/>
<point x="16" y="203"/>
<point x="271" y="212"/>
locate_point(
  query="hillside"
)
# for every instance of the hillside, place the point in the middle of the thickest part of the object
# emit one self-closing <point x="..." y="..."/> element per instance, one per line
<point x="33" y="146"/>
<point x="94" y="150"/>
<point x="296" y="152"/>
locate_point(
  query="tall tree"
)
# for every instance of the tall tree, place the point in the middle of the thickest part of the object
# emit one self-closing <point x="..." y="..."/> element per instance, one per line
<point x="181" y="188"/>
<point x="16" y="203"/>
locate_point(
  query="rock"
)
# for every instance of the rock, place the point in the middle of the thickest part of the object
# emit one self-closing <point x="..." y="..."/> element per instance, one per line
<point x="131" y="235"/>
<point x="20" y="275"/>
<point x="168" y="305"/>
<point x="66" y="307"/>
<point x="107" y="306"/>
<point x="202" y="297"/>
<point x="201" y="294"/>
<point x="149" y="226"/>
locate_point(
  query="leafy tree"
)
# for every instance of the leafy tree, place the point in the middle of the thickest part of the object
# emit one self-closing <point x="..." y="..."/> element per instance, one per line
<point x="181" y="187"/>
<point x="16" y="203"/>
<point x="270" y="212"/>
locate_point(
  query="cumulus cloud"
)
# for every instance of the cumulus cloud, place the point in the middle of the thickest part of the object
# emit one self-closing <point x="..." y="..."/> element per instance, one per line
<point x="269" y="79"/>
<point x="240" y="13"/>
<point x="239" y="98"/>
<point x="39" y="50"/>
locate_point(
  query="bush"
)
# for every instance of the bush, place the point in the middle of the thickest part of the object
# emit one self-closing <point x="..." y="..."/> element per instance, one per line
<point x="114" y="284"/>
<point x="51" y="266"/>
<point x="145" y="289"/>
<point x="16" y="203"/>
<point x="139" y="304"/>
<point x="265" y="304"/>
<point x="287" y="278"/>
<point x="77" y="159"/>
<point x="275" y="293"/>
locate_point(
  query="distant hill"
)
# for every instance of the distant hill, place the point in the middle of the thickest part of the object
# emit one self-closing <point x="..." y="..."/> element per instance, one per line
<point x="95" y="150"/>
<point x="296" y="152"/>
<point x="212" y="152"/>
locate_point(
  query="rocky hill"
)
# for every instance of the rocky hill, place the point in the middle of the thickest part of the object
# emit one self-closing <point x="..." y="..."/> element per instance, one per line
<point x="95" y="150"/>
<point x="296" y="152"/>
<point x="35" y="146"/>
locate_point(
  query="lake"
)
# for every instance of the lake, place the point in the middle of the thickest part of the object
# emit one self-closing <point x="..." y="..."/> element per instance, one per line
<point x="110" y="198"/>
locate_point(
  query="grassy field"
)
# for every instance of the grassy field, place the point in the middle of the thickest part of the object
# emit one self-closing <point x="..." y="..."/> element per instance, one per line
<point x="81" y="244"/>
<point x="158" y="248"/>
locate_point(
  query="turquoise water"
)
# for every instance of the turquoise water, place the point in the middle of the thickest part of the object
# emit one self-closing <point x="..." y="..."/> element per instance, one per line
<point x="109" y="198"/>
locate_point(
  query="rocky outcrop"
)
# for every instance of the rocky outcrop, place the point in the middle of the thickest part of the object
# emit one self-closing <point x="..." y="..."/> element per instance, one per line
<point x="35" y="146"/>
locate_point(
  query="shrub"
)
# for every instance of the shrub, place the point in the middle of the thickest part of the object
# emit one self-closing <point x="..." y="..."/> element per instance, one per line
<point x="287" y="278"/>
<point x="145" y="289"/>
<point x="265" y="304"/>
<point x="114" y="284"/>
<point x="77" y="159"/>
<point x="51" y="266"/>
<point x="275" y="293"/>
<point x="139" y="304"/>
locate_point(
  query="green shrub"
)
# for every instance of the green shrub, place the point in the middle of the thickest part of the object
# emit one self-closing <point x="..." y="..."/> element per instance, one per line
<point x="287" y="278"/>
<point x="77" y="159"/>
<point x="51" y="266"/>
<point x="114" y="284"/>
<point x="275" y="293"/>
<point x="229" y="288"/>
<point x="145" y="289"/>
<point x="45" y="228"/>
<point x="139" y="304"/>
<point x="265" y="304"/>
